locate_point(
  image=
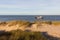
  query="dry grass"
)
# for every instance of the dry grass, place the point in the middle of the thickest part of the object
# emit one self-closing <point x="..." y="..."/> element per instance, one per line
<point x="56" y="22"/>
<point x="43" y="22"/>
<point x="48" y="22"/>
<point x="19" y="22"/>
<point x="27" y="23"/>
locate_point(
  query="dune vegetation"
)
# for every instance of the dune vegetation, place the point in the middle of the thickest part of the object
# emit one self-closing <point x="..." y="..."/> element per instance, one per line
<point x="56" y="22"/>
<point x="18" y="22"/>
<point x="21" y="35"/>
<point x="14" y="31"/>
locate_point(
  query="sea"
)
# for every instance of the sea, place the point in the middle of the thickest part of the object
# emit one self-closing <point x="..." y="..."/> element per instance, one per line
<point x="29" y="17"/>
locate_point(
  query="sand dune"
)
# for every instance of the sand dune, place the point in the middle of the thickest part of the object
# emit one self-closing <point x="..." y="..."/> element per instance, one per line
<point x="53" y="30"/>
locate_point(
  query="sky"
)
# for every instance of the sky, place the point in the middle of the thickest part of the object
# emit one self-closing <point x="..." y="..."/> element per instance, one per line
<point x="29" y="7"/>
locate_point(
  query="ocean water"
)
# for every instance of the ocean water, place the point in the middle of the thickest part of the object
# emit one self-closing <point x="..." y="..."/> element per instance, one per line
<point x="28" y="17"/>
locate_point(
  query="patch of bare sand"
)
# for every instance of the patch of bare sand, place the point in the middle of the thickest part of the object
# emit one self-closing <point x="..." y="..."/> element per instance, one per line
<point x="10" y="28"/>
<point x="50" y="29"/>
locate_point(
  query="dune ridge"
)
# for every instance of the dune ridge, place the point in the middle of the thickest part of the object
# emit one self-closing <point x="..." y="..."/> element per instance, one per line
<point x="51" y="27"/>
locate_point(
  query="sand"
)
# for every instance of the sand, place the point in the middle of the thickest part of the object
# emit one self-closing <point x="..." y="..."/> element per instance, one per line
<point x="53" y="30"/>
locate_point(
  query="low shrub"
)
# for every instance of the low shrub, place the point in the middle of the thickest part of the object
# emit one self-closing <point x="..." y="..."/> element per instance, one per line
<point x="22" y="35"/>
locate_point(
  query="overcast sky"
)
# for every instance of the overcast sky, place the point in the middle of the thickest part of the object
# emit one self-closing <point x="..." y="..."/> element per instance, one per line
<point x="30" y="7"/>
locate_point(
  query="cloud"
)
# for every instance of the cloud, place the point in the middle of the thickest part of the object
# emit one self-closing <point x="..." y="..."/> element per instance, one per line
<point x="9" y="6"/>
<point x="30" y="7"/>
<point x="40" y="12"/>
